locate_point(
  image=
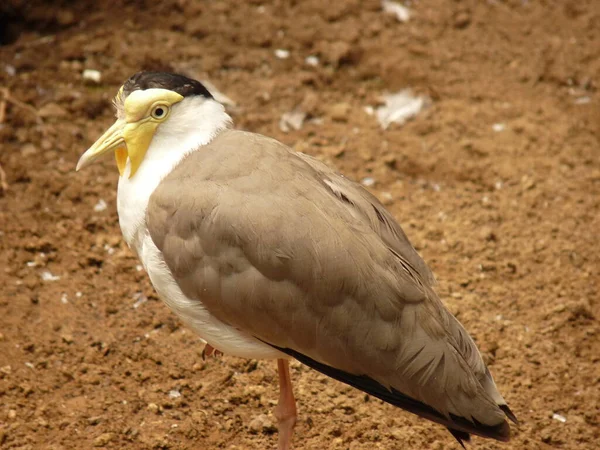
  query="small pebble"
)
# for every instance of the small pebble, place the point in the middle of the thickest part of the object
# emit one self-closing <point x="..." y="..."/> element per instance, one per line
<point x="462" y="20"/>
<point x="93" y="76"/>
<point x="28" y="150"/>
<point x="368" y="181"/>
<point x="94" y="420"/>
<point x="340" y="111"/>
<point x="47" y="276"/>
<point x="262" y="424"/>
<point x="100" y="206"/>
<point x="558" y="417"/>
<point x="52" y="110"/>
<point x="312" y="61"/>
<point x="401" y="12"/>
<point x="282" y="54"/>
<point x="103" y="439"/>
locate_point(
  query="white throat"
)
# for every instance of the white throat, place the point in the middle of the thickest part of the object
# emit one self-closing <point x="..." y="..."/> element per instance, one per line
<point x="192" y="123"/>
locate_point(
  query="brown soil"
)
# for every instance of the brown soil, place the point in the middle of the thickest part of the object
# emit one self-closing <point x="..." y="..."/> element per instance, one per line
<point x="508" y="220"/>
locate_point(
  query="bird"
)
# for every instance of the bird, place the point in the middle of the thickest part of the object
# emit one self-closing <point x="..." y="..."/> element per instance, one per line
<point x="269" y="253"/>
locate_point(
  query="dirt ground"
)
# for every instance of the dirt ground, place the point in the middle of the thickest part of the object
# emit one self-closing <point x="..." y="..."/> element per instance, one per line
<point x="497" y="183"/>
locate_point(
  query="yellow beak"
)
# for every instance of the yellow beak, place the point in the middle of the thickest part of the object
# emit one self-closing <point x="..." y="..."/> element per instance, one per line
<point x="111" y="140"/>
<point x="127" y="140"/>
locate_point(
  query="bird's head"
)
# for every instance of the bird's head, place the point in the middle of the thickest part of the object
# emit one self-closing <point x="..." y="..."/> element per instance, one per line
<point x="146" y="103"/>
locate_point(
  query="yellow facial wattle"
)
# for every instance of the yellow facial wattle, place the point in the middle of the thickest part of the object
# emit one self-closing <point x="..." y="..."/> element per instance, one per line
<point x="131" y="136"/>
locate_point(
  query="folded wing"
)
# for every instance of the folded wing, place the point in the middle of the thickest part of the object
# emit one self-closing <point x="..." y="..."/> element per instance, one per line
<point x="280" y="246"/>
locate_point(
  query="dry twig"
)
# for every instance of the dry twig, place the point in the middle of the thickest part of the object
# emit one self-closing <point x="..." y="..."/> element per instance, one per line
<point x="3" y="183"/>
<point x="4" y="100"/>
<point x="8" y="98"/>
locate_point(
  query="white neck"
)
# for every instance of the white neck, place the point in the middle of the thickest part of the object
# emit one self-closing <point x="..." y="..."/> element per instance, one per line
<point x="192" y="123"/>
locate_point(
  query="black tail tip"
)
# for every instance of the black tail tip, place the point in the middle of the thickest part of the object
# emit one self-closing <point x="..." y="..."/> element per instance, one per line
<point x="509" y="414"/>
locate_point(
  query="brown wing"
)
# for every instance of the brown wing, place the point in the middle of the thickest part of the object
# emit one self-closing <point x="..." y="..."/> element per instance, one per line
<point x="278" y="245"/>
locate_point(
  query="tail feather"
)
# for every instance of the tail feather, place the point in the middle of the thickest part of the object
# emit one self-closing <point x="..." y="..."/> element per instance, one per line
<point x="460" y="437"/>
<point x="460" y="427"/>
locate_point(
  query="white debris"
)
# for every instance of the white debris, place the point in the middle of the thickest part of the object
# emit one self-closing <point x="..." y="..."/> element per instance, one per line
<point x="558" y="417"/>
<point x="498" y="127"/>
<point x="498" y="185"/>
<point x="139" y="268"/>
<point x="312" y="60"/>
<point x="100" y="206"/>
<point x="399" y="107"/>
<point x="31" y="264"/>
<point x="10" y="70"/>
<point x="368" y="181"/>
<point x="583" y="100"/>
<point x="386" y="197"/>
<point x="292" y="120"/>
<point x="78" y="294"/>
<point x="174" y="393"/>
<point x="369" y="110"/>
<point x="95" y="76"/>
<point x="63" y="299"/>
<point x="217" y="94"/>
<point x="401" y="12"/>
<point x="140" y="299"/>
<point x="47" y="276"/>
<point x="282" y="53"/>
<point x="30" y="365"/>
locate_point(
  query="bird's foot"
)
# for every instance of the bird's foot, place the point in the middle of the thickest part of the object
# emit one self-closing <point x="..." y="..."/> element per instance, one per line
<point x="209" y="351"/>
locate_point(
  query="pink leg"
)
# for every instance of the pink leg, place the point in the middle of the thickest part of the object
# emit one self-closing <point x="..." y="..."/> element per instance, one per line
<point x="285" y="412"/>
<point x="209" y="350"/>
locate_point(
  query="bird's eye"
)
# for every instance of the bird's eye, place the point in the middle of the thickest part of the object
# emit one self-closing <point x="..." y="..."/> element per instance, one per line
<point x="159" y="112"/>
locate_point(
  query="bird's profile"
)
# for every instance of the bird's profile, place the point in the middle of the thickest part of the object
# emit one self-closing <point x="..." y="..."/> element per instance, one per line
<point x="268" y="253"/>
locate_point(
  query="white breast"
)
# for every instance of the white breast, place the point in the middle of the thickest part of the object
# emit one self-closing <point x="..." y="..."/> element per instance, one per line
<point x="190" y="125"/>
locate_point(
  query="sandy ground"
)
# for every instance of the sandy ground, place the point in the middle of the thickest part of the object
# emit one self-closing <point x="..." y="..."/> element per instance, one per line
<point x="497" y="183"/>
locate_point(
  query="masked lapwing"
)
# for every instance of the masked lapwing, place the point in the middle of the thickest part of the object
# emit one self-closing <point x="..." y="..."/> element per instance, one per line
<point x="268" y="253"/>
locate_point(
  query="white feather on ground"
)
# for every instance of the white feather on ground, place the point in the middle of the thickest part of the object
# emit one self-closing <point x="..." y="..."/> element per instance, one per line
<point x="399" y="107"/>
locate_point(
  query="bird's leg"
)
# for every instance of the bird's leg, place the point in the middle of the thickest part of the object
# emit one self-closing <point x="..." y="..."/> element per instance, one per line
<point x="285" y="412"/>
<point x="209" y="350"/>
